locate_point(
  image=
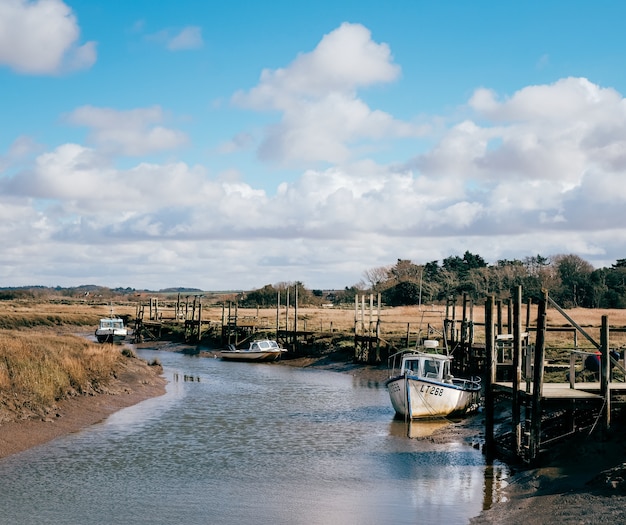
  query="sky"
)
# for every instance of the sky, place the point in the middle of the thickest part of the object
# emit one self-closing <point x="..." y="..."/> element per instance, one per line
<point x="231" y="145"/>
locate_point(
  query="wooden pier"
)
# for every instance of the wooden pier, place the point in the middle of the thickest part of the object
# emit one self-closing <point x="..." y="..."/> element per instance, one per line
<point x="544" y="413"/>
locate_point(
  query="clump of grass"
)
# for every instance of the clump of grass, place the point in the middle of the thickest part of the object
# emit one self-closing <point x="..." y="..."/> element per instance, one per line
<point x="39" y="369"/>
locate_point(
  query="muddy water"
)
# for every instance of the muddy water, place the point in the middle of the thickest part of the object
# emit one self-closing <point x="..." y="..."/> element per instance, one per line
<point x="236" y="443"/>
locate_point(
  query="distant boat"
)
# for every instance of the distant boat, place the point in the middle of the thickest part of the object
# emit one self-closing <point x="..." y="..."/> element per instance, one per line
<point x="422" y="386"/>
<point x="111" y="330"/>
<point x="259" y="350"/>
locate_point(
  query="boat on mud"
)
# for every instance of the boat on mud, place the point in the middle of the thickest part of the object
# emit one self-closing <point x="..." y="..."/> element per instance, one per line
<point x="111" y="330"/>
<point x="421" y="386"/>
<point x="258" y="350"/>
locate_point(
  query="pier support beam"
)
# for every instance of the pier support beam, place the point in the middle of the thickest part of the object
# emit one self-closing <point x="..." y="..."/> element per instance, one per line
<point x="540" y="347"/>
<point x="517" y="371"/>
<point x="490" y="378"/>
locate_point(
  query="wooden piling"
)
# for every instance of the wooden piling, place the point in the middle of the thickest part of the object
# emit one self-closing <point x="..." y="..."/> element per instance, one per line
<point x="517" y="371"/>
<point x="490" y="377"/>
<point x="537" y="390"/>
<point x="605" y="371"/>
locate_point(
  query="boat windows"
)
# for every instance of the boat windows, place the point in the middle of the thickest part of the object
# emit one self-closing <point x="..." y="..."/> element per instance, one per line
<point x="431" y="368"/>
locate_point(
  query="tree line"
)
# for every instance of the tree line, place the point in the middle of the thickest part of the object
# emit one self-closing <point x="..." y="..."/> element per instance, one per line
<point x="570" y="280"/>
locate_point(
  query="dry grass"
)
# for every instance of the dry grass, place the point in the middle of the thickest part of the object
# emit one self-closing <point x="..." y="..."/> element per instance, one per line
<point x="38" y="369"/>
<point x="394" y="322"/>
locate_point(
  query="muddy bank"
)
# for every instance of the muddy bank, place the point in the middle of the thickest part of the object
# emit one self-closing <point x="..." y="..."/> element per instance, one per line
<point x="134" y="382"/>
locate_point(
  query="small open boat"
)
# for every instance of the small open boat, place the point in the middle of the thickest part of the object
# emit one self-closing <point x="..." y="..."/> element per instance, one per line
<point x="111" y="330"/>
<point x="422" y="386"/>
<point x="259" y="350"/>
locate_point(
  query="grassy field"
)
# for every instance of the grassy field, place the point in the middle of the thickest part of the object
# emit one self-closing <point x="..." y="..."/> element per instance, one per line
<point x="66" y="315"/>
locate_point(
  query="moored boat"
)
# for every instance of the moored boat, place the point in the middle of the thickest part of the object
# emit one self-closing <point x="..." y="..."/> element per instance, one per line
<point x="422" y="386"/>
<point x="111" y="330"/>
<point x="258" y="350"/>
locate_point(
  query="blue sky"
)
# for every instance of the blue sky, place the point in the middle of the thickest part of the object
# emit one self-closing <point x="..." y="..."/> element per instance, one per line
<point x="229" y="145"/>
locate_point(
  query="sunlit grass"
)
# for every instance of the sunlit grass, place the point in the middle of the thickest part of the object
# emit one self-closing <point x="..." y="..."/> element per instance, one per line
<point x="44" y="368"/>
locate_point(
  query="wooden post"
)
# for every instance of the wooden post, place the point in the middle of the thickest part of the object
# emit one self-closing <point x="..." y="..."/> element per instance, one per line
<point x="490" y="378"/>
<point x="499" y="324"/>
<point x="287" y="315"/>
<point x="228" y="321"/>
<point x="356" y="328"/>
<point x="517" y="370"/>
<point x="295" y="317"/>
<point x="540" y="347"/>
<point x="378" y="328"/>
<point x="605" y="371"/>
<point x="509" y="318"/>
<point x="199" y="320"/>
<point x="277" y="314"/>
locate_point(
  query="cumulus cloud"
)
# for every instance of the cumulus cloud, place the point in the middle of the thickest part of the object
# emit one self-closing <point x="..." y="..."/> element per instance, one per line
<point x="41" y="37"/>
<point x="133" y="133"/>
<point x="505" y="181"/>
<point x="322" y="116"/>
<point x="537" y="148"/>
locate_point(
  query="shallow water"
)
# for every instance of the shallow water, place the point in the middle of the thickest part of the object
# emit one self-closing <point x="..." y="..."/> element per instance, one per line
<point x="236" y="443"/>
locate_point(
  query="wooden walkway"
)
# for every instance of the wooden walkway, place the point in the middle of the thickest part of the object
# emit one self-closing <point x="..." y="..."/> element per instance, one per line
<point x="563" y="391"/>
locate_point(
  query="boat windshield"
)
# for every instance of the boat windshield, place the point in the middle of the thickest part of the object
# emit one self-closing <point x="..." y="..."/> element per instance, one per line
<point x="432" y="368"/>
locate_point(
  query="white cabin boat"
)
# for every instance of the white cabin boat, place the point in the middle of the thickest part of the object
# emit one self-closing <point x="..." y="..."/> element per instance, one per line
<point x="422" y="386"/>
<point x="111" y="330"/>
<point x="259" y="350"/>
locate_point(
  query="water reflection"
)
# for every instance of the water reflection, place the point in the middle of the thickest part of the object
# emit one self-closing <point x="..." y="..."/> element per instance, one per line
<point x="417" y="429"/>
<point x="248" y="443"/>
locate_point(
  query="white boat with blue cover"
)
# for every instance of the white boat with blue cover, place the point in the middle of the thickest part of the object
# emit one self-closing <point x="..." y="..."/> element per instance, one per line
<point x="111" y="330"/>
<point x="422" y="387"/>
<point x="259" y="350"/>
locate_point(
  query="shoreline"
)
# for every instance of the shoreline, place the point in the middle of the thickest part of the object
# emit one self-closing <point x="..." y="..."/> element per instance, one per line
<point x="135" y="382"/>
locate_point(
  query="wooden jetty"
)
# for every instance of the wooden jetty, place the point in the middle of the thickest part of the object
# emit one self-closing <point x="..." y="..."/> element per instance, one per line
<point x="544" y="413"/>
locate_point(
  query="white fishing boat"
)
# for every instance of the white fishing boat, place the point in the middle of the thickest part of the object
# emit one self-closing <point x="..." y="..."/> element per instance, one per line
<point x="422" y="387"/>
<point x="258" y="350"/>
<point x="111" y="330"/>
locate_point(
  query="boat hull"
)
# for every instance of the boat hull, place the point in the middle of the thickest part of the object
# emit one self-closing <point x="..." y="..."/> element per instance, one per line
<point x="246" y="355"/>
<point x="419" y="398"/>
<point x="110" y="336"/>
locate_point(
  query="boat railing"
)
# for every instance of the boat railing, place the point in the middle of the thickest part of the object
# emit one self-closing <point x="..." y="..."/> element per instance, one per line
<point x="466" y="384"/>
<point x="394" y="361"/>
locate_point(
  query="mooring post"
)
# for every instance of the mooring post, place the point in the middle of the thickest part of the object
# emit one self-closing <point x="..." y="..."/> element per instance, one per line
<point x="517" y="370"/>
<point x="490" y="378"/>
<point x="540" y="347"/>
<point x="605" y="371"/>
<point x="277" y="314"/>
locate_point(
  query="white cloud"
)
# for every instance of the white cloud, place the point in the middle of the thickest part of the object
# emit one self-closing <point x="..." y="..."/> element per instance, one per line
<point x="189" y="38"/>
<point x="504" y="182"/>
<point x="40" y="37"/>
<point x="316" y="93"/>
<point x="133" y="133"/>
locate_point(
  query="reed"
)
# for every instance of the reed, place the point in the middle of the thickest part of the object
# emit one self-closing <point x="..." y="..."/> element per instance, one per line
<point x="41" y="368"/>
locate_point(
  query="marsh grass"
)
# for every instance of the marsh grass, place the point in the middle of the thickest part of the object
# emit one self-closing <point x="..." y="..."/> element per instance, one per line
<point x="39" y="369"/>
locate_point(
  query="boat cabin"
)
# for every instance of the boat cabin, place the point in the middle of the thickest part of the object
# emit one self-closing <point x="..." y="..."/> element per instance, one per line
<point x="111" y="323"/>
<point x="428" y="366"/>
<point x="263" y="346"/>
